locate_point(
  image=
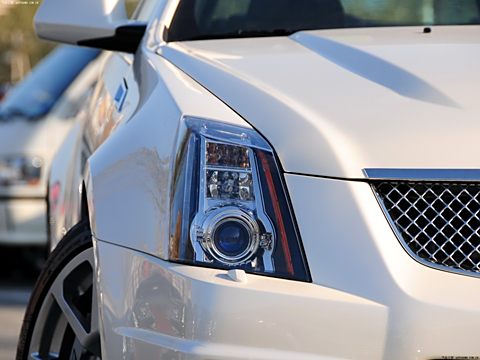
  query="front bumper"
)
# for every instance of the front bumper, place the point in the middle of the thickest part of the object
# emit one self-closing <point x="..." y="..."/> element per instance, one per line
<point x="369" y="299"/>
<point x="23" y="221"/>
<point x="156" y="309"/>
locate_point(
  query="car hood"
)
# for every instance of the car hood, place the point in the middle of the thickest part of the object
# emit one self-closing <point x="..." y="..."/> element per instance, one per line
<point x="336" y="102"/>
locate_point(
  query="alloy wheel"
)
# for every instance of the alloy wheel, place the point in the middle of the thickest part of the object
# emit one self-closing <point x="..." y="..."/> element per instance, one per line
<point x="67" y="323"/>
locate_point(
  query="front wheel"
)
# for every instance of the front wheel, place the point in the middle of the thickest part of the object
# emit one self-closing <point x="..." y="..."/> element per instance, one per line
<point x="61" y="320"/>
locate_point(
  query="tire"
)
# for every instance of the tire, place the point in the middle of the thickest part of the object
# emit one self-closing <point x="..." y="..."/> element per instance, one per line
<point x="61" y="319"/>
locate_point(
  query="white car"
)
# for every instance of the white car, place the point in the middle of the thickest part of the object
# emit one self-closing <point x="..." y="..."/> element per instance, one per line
<point x="35" y="117"/>
<point x="268" y="179"/>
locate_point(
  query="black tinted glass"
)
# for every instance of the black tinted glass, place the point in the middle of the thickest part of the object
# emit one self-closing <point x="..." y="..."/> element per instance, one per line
<point x="209" y="19"/>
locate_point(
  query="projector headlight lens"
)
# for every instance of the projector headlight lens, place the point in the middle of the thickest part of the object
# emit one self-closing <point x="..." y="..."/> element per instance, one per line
<point x="231" y="238"/>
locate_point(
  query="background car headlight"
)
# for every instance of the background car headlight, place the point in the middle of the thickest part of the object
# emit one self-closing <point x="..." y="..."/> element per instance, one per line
<point x="20" y="170"/>
<point x="230" y="208"/>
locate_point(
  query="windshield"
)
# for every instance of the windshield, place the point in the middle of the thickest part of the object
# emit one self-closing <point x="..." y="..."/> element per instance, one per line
<point x="39" y="91"/>
<point x="213" y="19"/>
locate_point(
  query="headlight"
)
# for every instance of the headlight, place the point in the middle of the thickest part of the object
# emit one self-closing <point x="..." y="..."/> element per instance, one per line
<point x="230" y="208"/>
<point x="20" y="170"/>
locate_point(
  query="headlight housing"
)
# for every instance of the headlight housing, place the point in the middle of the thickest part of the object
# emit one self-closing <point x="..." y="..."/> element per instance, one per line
<point x="230" y="208"/>
<point x="20" y="170"/>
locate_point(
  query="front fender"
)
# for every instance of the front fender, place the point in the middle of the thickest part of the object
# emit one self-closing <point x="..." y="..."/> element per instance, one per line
<point x="130" y="175"/>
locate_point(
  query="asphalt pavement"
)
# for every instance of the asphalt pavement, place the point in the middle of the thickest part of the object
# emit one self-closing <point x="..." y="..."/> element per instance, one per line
<point x="17" y="277"/>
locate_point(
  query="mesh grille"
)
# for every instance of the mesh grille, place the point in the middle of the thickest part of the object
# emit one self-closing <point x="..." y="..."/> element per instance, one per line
<point x="438" y="222"/>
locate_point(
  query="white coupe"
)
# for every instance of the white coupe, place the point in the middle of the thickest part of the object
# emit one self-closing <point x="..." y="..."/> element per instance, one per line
<point x="267" y="179"/>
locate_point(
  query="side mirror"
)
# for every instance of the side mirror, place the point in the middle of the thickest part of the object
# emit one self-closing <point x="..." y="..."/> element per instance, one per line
<point x="100" y="24"/>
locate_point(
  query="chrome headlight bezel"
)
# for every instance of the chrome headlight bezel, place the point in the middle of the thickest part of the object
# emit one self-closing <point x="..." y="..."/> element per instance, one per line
<point x="251" y="197"/>
<point x="204" y="233"/>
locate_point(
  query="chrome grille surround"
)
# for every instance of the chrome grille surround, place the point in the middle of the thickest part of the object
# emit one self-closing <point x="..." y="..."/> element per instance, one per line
<point x="437" y="221"/>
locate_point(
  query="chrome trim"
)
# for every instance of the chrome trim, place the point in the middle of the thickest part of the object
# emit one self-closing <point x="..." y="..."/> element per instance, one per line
<point x="424" y="175"/>
<point x="211" y="131"/>
<point x="405" y="245"/>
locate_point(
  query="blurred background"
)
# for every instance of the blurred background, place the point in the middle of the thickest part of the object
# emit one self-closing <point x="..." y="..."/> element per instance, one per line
<point x="20" y="50"/>
<point x="40" y="97"/>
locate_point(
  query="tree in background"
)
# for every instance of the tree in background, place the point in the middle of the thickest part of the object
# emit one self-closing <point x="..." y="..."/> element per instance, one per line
<point x="20" y="49"/>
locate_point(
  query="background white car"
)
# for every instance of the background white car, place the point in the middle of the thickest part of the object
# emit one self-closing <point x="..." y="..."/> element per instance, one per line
<point x="34" y="119"/>
<point x="275" y="179"/>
